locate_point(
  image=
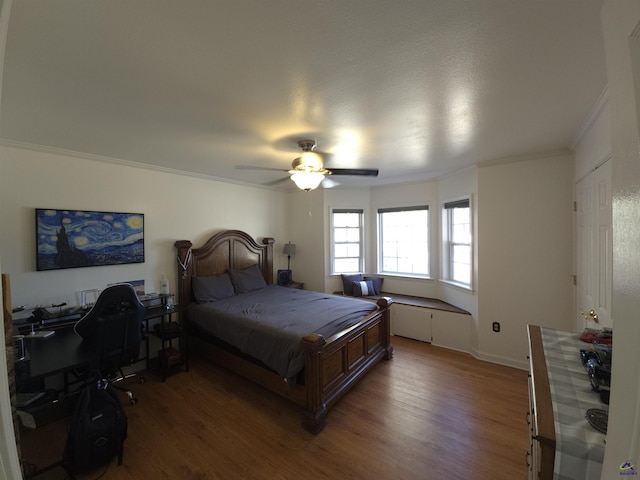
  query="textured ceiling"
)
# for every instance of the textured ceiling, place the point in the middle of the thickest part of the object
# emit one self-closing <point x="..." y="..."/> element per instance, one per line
<point x="416" y="89"/>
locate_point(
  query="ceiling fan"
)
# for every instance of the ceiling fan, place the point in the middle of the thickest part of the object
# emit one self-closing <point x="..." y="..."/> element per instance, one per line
<point x="308" y="171"/>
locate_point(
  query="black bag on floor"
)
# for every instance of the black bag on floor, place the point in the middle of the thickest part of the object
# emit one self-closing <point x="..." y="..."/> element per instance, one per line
<point x="97" y="431"/>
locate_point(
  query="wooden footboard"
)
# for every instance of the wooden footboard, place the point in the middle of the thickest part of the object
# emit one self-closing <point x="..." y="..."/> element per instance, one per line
<point x="332" y="365"/>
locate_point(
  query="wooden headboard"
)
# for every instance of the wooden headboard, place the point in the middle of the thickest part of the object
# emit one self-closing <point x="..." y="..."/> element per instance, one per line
<point x="229" y="249"/>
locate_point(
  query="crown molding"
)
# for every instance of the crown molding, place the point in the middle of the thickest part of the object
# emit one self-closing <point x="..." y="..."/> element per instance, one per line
<point x="126" y="163"/>
<point x="592" y="116"/>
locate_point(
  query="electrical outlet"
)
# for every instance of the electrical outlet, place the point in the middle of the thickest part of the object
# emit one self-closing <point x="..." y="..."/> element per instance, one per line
<point x="496" y="327"/>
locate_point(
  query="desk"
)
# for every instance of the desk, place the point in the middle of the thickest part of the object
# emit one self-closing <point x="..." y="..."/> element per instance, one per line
<point x="64" y="351"/>
<point x="24" y="321"/>
<point x="48" y="358"/>
<point x="61" y="352"/>
<point x="57" y="357"/>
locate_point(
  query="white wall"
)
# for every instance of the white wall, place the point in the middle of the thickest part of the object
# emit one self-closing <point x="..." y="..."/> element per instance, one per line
<point x="306" y="224"/>
<point x="175" y="207"/>
<point x="525" y="253"/>
<point x="621" y="21"/>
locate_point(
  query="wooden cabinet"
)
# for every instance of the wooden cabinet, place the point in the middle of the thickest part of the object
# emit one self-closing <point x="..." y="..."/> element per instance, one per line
<point x="560" y="397"/>
<point x="411" y="322"/>
<point x="451" y="330"/>
<point x="542" y="448"/>
<point x="440" y="327"/>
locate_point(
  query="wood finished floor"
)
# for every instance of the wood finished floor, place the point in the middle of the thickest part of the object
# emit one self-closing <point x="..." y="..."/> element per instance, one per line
<point x="429" y="413"/>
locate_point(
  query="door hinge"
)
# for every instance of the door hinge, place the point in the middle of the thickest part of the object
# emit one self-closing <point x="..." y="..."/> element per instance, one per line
<point x="575" y="279"/>
<point x="575" y="206"/>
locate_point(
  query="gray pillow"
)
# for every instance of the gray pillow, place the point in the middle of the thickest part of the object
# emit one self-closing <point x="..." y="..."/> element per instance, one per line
<point x="247" y="280"/>
<point x="377" y="284"/>
<point x="212" y="288"/>
<point x="347" y="282"/>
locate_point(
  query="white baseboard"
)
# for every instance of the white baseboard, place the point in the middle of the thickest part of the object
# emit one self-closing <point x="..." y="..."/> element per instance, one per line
<point x="506" y="361"/>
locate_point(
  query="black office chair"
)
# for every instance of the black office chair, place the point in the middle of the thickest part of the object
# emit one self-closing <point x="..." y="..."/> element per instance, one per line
<point x="114" y="328"/>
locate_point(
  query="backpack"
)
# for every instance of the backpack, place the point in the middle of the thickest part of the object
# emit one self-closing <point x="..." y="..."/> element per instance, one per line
<point x="97" y="431"/>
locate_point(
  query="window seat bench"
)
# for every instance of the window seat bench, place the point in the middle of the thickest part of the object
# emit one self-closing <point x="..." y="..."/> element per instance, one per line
<point x="432" y="303"/>
<point x="424" y="302"/>
<point x="429" y="320"/>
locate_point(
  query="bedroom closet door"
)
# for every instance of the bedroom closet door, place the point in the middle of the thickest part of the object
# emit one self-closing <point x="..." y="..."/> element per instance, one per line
<point x="594" y="249"/>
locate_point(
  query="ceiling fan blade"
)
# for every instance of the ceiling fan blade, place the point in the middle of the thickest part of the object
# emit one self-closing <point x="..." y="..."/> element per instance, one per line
<point x="367" y="172"/>
<point x="250" y="167"/>
<point x="276" y="182"/>
<point x="329" y="183"/>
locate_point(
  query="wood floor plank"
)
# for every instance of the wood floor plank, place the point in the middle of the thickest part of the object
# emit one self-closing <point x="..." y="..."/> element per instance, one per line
<point x="429" y="413"/>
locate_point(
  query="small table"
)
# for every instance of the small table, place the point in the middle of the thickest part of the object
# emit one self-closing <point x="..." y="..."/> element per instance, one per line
<point x="167" y="331"/>
<point x="298" y="285"/>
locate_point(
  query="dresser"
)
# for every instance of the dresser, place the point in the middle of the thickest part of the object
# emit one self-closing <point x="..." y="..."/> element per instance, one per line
<point x="563" y="445"/>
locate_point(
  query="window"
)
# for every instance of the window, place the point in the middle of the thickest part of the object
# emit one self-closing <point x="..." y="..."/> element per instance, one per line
<point x="403" y="240"/>
<point x="347" y="250"/>
<point x="457" y="251"/>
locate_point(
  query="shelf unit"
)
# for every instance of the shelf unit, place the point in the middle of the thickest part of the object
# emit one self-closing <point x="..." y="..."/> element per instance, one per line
<point x="168" y="329"/>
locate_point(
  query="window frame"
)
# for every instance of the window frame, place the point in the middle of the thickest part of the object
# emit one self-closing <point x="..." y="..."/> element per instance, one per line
<point x="361" y="259"/>
<point x="380" y="237"/>
<point x="447" y="243"/>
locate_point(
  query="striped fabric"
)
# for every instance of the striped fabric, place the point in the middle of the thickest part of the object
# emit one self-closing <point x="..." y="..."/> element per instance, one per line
<point x="579" y="446"/>
<point x="363" y="288"/>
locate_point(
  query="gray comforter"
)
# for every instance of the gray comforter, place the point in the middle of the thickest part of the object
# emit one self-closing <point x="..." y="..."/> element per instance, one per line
<point x="268" y="324"/>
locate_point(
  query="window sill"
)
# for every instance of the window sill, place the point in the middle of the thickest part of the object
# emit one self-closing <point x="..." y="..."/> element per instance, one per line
<point x="460" y="286"/>
<point x="404" y="276"/>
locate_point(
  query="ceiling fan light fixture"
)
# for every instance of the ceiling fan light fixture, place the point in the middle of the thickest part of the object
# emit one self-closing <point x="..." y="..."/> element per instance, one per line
<point x="305" y="180"/>
<point x="308" y="161"/>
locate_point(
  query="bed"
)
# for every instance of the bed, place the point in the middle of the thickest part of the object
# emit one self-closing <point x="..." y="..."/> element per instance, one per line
<point x="323" y="364"/>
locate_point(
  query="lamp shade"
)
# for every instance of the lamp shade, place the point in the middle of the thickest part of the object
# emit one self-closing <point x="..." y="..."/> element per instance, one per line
<point x="289" y="249"/>
<point x="307" y="180"/>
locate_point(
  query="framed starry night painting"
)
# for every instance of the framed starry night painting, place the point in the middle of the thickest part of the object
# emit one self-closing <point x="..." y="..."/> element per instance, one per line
<point x="79" y="238"/>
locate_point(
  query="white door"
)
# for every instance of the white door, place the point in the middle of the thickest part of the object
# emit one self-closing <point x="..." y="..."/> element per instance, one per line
<point x="584" y="249"/>
<point x="594" y="247"/>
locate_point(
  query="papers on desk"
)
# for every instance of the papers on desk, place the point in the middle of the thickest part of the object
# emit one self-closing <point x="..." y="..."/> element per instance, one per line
<point x="40" y="334"/>
<point x="26" y="419"/>
<point x="148" y="296"/>
<point x="26" y="399"/>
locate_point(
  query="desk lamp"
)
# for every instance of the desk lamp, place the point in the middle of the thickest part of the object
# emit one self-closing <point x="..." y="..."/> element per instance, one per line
<point x="289" y="250"/>
<point x="284" y="276"/>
